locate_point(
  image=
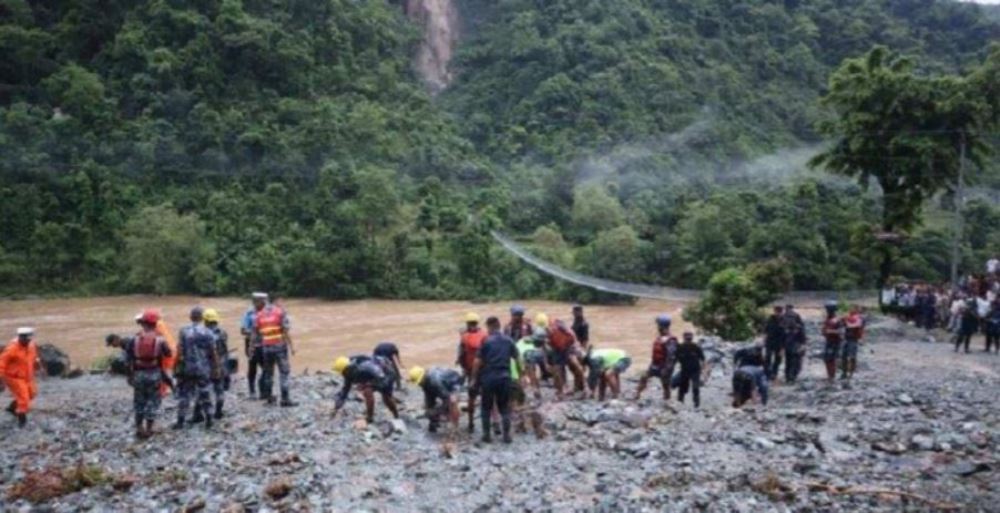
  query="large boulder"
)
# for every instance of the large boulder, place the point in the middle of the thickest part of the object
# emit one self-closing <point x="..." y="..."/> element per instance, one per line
<point x="54" y="361"/>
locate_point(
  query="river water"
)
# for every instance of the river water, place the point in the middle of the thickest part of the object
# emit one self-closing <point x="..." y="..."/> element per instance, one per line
<point x="426" y="331"/>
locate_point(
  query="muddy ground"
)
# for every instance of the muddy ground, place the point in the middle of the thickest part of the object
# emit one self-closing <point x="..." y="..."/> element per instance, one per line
<point x="917" y="431"/>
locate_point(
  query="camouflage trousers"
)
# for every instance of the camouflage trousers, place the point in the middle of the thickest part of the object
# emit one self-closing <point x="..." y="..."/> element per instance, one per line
<point x="275" y="356"/>
<point x="193" y="387"/>
<point x="146" y="394"/>
<point x="219" y="388"/>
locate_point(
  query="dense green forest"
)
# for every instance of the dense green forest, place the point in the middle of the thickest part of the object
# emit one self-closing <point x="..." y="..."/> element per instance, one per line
<point x="224" y="145"/>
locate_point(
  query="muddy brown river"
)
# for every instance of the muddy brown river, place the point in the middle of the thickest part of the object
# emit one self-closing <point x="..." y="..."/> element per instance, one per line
<point x="426" y="331"/>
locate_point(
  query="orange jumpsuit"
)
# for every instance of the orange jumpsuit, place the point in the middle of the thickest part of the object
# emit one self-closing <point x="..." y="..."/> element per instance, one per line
<point x="17" y="368"/>
<point x="167" y="364"/>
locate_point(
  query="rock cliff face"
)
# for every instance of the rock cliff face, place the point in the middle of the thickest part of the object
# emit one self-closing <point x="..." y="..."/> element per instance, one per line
<point x="440" y="21"/>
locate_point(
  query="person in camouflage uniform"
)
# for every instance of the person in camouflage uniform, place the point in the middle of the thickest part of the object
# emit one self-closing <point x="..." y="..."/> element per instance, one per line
<point x="144" y="356"/>
<point x="220" y="384"/>
<point x="197" y="365"/>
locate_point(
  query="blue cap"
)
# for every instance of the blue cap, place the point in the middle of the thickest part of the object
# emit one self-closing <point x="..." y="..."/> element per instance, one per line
<point x="831" y="304"/>
<point x="517" y="310"/>
<point x="663" y="320"/>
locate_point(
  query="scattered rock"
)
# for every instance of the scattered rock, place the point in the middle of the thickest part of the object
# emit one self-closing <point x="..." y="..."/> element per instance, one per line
<point x="55" y="362"/>
<point x="279" y="488"/>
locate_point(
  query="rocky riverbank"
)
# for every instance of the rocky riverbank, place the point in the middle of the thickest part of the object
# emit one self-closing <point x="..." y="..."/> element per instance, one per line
<point x="919" y="424"/>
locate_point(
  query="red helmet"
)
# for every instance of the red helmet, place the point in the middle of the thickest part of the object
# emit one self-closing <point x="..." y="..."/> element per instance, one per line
<point x="150" y="317"/>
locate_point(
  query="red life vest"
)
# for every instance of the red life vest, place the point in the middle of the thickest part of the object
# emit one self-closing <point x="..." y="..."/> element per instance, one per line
<point x="560" y="337"/>
<point x="471" y="342"/>
<point x="831" y="330"/>
<point x="270" y="327"/>
<point x="664" y="349"/>
<point x="147" y="351"/>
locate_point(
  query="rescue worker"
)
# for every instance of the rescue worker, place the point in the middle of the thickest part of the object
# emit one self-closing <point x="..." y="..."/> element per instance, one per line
<point x="774" y="342"/>
<point x="532" y="359"/>
<point x="752" y="356"/>
<point x="272" y="326"/>
<point x="492" y="376"/>
<point x="562" y="352"/>
<point x="370" y="375"/>
<point x="745" y="379"/>
<point x="795" y="343"/>
<point x="390" y="352"/>
<point x="197" y="365"/>
<point x="518" y="327"/>
<point x="470" y="340"/>
<point x="144" y="355"/>
<point x="163" y="330"/>
<point x="18" y="363"/>
<point x="440" y="387"/>
<point x="993" y="327"/>
<point x="832" y="330"/>
<point x="252" y="342"/>
<point x="220" y="384"/>
<point x="581" y="328"/>
<point x="606" y="367"/>
<point x="854" y="329"/>
<point x="692" y="360"/>
<point x="663" y="361"/>
<point x="968" y="324"/>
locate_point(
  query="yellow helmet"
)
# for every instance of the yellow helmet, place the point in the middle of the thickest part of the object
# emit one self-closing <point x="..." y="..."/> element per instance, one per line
<point x="417" y="374"/>
<point x="541" y="320"/>
<point x="211" y="315"/>
<point x="471" y="317"/>
<point x="340" y="364"/>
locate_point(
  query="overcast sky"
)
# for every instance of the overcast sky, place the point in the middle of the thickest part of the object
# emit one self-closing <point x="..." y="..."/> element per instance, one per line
<point x="994" y="2"/>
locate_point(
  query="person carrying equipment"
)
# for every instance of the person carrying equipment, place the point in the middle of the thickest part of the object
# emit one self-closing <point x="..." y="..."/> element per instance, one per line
<point x="562" y="352"/>
<point x="18" y="363"/>
<point x="390" y="352"/>
<point x="144" y="355"/>
<point x="370" y="375"/>
<point x="663" y="361"/>
<point x="220" y="383"/>
<point x="606" y="367"/>
<point x="197" y="364"/>
<point x="440" y="387"/>
<point x="832" y="330"/>
<point x="854" y="330"/>
<point x="470" y="340"/>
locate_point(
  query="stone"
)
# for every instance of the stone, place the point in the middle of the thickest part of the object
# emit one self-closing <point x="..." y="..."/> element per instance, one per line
<point x="922" y="442"/>
<point x="279" y="487"/>
<point x="55" y="362"/>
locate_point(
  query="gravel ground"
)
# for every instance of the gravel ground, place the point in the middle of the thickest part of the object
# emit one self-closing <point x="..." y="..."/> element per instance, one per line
<point x="918" y="419"/>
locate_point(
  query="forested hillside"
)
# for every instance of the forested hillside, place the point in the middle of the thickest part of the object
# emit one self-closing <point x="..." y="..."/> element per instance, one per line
<point x="222" y="145"/>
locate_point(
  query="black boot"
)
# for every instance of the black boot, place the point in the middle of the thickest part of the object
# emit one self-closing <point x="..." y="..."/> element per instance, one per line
<point x="179" y="424"/>
<point x="218" y="409"/>
<point x="208" y="418"/>
<point x="198" y="417"/>
<point x="22" y="419"/>
<point x="12" y="408"/>
<point x="286" y="401"/>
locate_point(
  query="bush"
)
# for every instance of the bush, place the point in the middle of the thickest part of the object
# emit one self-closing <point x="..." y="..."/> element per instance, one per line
<point x="732" y="305"/>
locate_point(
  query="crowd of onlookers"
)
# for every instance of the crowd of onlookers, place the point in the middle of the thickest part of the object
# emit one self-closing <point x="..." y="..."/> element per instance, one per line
<point x="966" y="308"/>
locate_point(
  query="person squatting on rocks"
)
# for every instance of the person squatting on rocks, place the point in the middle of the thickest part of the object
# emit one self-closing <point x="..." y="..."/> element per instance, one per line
<point x="18" y="363"/>
<point x="606" y="367"/>
<point x="749" y="374"/>
<point x="663" y="360"/>
<point x="854" y="330"/>
<point x="220" y="382"/>
<point x="774" y="342"/>
<point x="562" y="352"/>
<point x="370" y="374"/>
<point x="197" y="364"/>
<point x="833" y="328"/>
<point x="440" y="387"/>
<point x="469" y="342"/>
<point x="692" y="362"/>
<point x="144" y="356"/>
<point x="252" y="342"/>
<point x="390" y="352"/>
<point x="273" y="328"/>
<point x="492" y="376"/>
<point x="795" y="343"/>
<point x="532" y="355"/>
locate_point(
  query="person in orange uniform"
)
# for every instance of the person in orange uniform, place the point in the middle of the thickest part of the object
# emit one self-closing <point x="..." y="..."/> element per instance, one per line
<point x="17" y="370"/>
<point x="167" y="363"/>
<point x="470" y="340"/>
